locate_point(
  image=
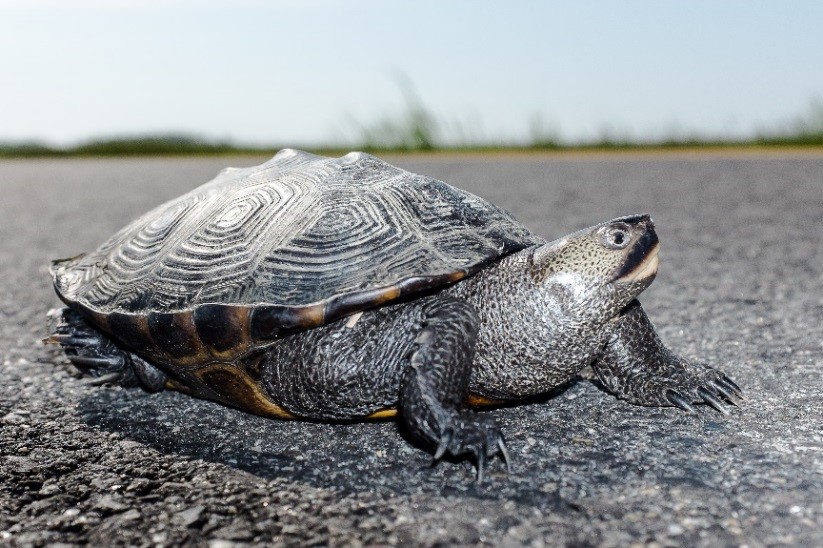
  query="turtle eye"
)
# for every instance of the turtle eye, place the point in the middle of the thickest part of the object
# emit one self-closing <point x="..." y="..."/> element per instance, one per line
<point x="616" y="236"/>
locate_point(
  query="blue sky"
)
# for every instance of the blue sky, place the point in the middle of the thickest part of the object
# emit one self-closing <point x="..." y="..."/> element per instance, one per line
<point x="314" y="71"/>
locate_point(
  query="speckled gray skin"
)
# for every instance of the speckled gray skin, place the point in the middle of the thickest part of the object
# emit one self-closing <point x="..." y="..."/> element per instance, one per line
<point x="521" y="327"/>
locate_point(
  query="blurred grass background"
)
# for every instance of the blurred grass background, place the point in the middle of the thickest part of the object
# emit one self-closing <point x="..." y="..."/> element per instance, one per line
<point x="418" y="129"/>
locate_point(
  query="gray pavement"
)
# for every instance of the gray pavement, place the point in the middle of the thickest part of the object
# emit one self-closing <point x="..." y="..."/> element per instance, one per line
<point x="740" y="287"/>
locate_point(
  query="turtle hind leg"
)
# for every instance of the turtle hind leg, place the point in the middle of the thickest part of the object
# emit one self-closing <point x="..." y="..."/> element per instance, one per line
<point x="636" y="366"/>
<point x="98" y="356"/>
<point x="436" y="383"/>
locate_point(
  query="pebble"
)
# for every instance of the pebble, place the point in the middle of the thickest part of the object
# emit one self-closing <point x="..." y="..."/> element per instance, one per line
<point x="189" y="516"/>
<point x="13" y="419"/>
<point x="108" y="504"/>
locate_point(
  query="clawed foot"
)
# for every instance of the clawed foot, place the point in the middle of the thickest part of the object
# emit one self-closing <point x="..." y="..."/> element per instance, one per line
<point x="635" y="365"/>
<point x="86" y="348"/>
<point x="703" y="384"/>
<point x="481" y="439"/>
<point x="90" y="351"/>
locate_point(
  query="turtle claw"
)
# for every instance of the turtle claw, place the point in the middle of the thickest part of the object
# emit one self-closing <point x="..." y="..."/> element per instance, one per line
<point x="712" y="400"/>
<point x="443" y="446"/>
<point x="108" y="378"/>
<point x="677" y="399"/>
<point x="55" y="338"/>
<point x="504" y="452"/>
<point x="481" y="465"/>
<point x="705" y="385"/>
<point x="67" y="339"/>
<point x="732" y="385"/>
<point x="687" y="384"/>
<point x="724" y="390"/>
<point x="477" y="439"/>
<point x="94" y="362"/>
<point x="715" y="389"/>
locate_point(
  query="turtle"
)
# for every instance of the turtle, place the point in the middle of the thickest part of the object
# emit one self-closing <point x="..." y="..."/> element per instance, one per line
<point x="343" y="289"/>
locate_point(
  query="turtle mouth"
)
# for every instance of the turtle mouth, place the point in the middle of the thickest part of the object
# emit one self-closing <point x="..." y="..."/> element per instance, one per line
<point x="644" y="270"/>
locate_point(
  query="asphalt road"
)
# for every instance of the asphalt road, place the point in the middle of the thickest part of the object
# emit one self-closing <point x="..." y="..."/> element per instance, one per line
<point x="740" y="287"/>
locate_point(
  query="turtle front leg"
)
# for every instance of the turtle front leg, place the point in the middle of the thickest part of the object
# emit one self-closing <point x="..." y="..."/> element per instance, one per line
<point x="436" y="382"/>
<point x="98" y="356"/>
<point x="636" y="366"/>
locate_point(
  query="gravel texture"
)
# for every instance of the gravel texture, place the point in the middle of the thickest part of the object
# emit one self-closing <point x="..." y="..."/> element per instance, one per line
<point x="740" y="287"/>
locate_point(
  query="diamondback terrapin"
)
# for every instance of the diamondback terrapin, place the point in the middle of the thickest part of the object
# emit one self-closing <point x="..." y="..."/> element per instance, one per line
<point x="319" y="288"/>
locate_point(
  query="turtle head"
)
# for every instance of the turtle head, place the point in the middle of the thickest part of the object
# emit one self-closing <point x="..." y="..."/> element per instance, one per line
<point x="601" y="269"/>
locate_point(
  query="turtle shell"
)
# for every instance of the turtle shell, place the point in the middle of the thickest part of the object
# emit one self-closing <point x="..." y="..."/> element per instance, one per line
<point x="294" y="243"/>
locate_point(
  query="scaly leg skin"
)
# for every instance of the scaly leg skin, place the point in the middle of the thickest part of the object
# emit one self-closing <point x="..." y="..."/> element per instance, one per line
<point x="436" y="382"/>
<point x="636" y="366"/>
<point x="97" y="356"/>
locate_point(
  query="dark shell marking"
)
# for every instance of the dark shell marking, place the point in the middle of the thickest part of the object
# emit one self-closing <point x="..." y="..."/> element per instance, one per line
<point x="271" y="250"/>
